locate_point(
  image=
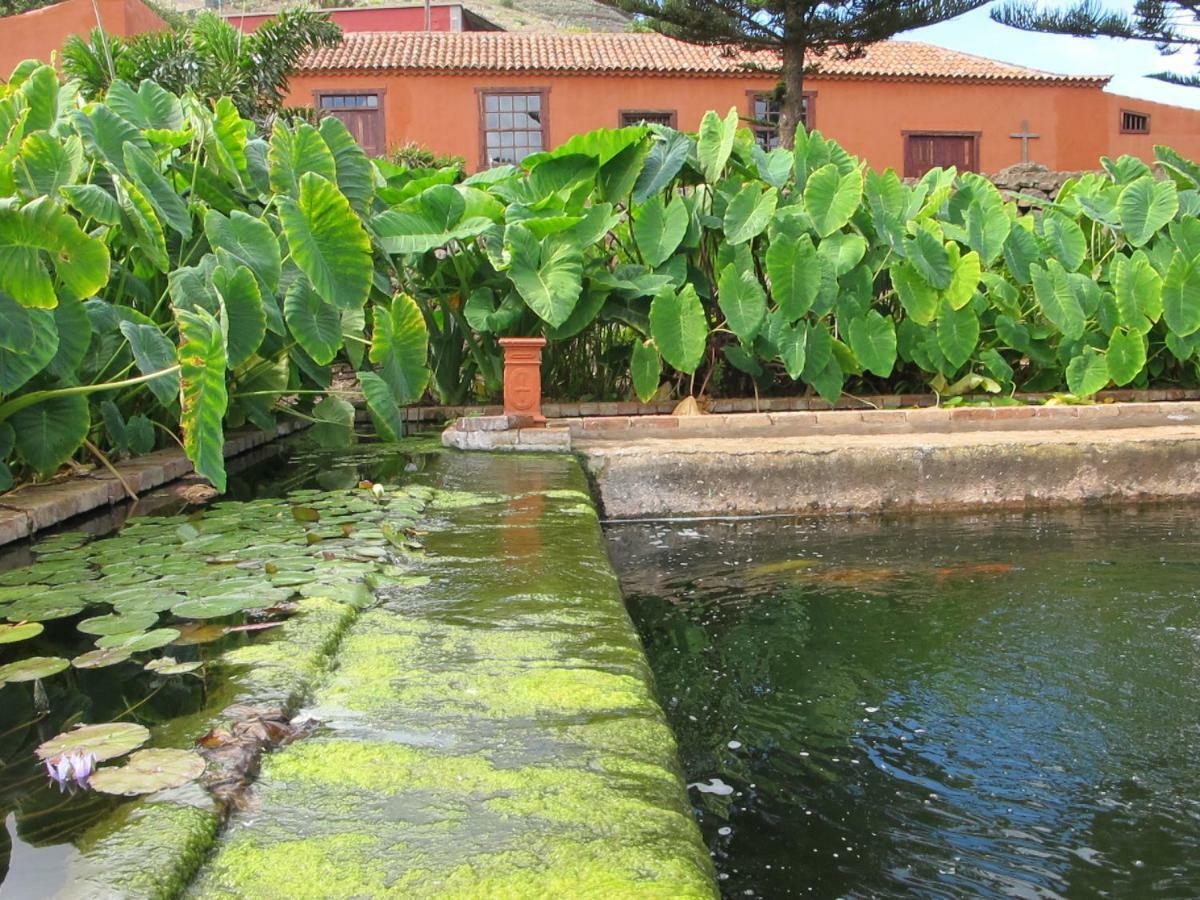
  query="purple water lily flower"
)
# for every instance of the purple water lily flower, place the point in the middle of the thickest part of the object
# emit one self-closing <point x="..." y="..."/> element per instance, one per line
<point x="78" y="766"/>
<point x="84" y="765"/>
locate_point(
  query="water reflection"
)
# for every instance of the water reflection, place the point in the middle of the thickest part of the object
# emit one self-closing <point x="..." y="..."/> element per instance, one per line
<point x="984" y="705"/>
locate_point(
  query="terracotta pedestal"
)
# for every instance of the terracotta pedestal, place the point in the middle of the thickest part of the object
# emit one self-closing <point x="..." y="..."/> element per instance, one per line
<point x="523" y="379"/>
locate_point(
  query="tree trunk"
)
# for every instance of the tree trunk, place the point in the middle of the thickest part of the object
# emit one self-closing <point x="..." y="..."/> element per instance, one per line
<point x="791" y="112"/>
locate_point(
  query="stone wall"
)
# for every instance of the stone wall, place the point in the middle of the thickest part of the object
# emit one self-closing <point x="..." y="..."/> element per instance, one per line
<point x="1030" y="180"/>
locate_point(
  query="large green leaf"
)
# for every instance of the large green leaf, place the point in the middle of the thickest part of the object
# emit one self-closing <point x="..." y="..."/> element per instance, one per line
<point x="47" y="433"/>
<point x="47" y="163"/>
<point x="988" y="225"/>
<point x="328" y="241"/>
<point x="144" y="172"/>
<point x="548" y="274"/>
<point x="1087" y="373"/>
<point x="873" y="340"/>
<point x="16" y="325"/>
<point x="795" y="274"/>
<point x="1138" y="290"/>
<point x="149" y="107"/>
<point x="742" y="300"/>
<point x="333" y="422"/>
<point x="316" y="325"/>
<point x="355" y="175"/>
<point x="1058" y="302"/>
<point x="41" y="236"/>
<point x="1126" y="356"/>
<point x="250" y="241"/>
<point x="400" y="346"/>
<point x="1065" y="239"/>
<point x="382" y="406"/>
<point x="74" y="328"/>
<point x="715" y="142"/>
<point x="203" y="393"/>
<point x="666" y="157"/>
<point x="748" y="213"/>
<point x="18" y="365"/>
<point x="1146" y="205"/>
<point x="42" y="92"/>
<point x="1181" y="295"/>
<point x="295" y="153"/>
<point x="831" y="198"/>
<point x="93" y="202"/>
<point x="107" y="134"/>
<point x="965" y="280"/>
<point x="929" y="256"/>
<point x="957" y="332"/>
<point x="146" y="229"/>
<point x="919" y="299"/>
<point x="645" y="366"/>
<point x="432" y="219"/>
<point x="659" y="227"/>
<point x="153" y="353"/>
<point x="679" y="327"/>
<point x="246" y="321"/>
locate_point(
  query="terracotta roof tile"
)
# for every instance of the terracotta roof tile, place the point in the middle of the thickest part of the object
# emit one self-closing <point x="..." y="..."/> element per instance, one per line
<point x="634" y="54"/>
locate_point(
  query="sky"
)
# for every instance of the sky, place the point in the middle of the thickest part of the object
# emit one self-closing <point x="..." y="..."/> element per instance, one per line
<point x="1127" y="61"/>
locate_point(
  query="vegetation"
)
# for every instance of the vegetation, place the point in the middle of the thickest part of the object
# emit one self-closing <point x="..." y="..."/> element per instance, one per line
<point x="207" y="57"/>
<point x="1168" y="24"/>
<point x="798" y="29"/>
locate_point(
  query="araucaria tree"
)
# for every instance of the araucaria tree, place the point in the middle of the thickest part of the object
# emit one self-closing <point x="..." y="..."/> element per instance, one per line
<point x="801" y="31"/>
<point x="1171" y="25"/>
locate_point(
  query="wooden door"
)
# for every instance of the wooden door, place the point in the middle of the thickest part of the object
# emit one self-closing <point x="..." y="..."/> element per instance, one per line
<point x="362" y="114"/>
<point x="926" y="151"/>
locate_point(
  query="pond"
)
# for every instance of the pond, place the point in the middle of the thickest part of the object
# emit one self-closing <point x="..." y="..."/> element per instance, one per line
<point x="134" y="616"/>
<point x="988" y="705"/>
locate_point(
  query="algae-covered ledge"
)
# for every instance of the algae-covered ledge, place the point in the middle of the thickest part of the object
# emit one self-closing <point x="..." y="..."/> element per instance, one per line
<point x="492" y="732"/>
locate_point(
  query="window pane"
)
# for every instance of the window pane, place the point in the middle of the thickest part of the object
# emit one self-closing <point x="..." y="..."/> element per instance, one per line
<point x="492" y="120"/>
<point x="519" y="103"/>
<point x="373" y="101"/>
<point x="534" y="102"/>
<point x="491" y="103"/>
<point x="512" y="126"/>
<point x="506" y="102"/>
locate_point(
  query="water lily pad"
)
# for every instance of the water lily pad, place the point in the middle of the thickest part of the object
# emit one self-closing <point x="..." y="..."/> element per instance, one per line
<point x="43" y="609"/>
<point x="208" y="607"/>
<point x="198" y="633"/>
<point x="149" y="771"/>
<point x="168" y="665"/>
<point x="107" y="741"/>
<point x="33" y="668"/>
<point x="125" y="623"/>
<point x="138" y="641"/>
<point x="10" y="634"/>
<point x="100" y="659"/>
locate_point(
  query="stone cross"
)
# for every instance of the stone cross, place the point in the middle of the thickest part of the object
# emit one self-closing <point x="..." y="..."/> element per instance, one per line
<point x="1025" y="136"/>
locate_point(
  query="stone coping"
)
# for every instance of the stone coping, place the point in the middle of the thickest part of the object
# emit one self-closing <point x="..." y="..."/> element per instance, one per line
<point x="33" y="508"/>
<point x="572" y="410"/>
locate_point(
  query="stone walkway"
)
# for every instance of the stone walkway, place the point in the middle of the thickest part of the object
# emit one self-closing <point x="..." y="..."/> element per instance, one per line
<point x="491" y="734"/>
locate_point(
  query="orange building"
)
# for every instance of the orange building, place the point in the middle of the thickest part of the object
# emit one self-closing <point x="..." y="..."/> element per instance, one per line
<point x="40" y="33"/>
<point x="494" y="97"/>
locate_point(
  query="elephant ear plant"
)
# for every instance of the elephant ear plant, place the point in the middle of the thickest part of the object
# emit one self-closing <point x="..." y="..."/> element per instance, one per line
<point x="163" y="266"/>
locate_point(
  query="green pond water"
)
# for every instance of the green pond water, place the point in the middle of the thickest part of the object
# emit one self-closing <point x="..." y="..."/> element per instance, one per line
<point x="992" y="705"/>
<point x="130" y="563"/>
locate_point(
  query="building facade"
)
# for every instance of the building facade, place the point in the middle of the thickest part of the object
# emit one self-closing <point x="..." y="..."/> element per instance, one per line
<point x="494" y="97"/>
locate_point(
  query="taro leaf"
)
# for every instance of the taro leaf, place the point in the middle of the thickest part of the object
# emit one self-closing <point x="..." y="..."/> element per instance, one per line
<point x="328" y="242"/>
<point x="919" y="299"/>
<point x="1087" y="373"/>
<point x="484" y="316"/>
<point x="743" y="301"/>
<point x="161" y="194"/>
<point x="715" y="142"/>
<point x="147" y="231"/>
<point x="16" y="325"/>
<point x="795" y="274"/>
<point x="293" y="153"/>
<point x="150" y="107"/>
<point x="1138" y="291"/>
<point x="1068" y="246"/>
<point x="138" y="642"/>
<point x="43" y="608"/>
<point x="1126" y="356"/>
<point x="149" y="771"/>
<point x="873" y="340"/>
<point x="957" y="332"/>
<point x="929" y="256"/>
<point x="1181" y="295"/>
<point x="74" y="327"/>
<point x="1020" y="252"/>
<point x="10" y="634"/>
<point x="250" y="241"/>
<point x="316" y="325"/>
<point x="105" y="741"/>
<point x="645" y="366"/>
<point x="679" y="327"/>
<point x="20" y="364"/>
<point x="47" y="433"/>
<point x="355" y="175"/>
<point x="548" y="274"/>
<point x="208" y="607"/>
<point x="100" y="659"/>
<point x="400" y="346"/>
<point x="748" y="213"/>
<point x="1146" y="205"/>
<point x="663" y="162"/>
<point x="42" y="230"/>
<point x="125" y="623"/>
<point x="47" y="163"/>
<point x="168" y="665"/>
<point x="792" y="342"/>
<point x="659" y="228"/>
<point x="967" y="272"/>
<point x="93" y="202"/>
<point x="153" y="353"/>
<point x="33" y="668"/>
<point x="333" y="422"/>
<point x="1058" y="302"/>
<point x="247" y="322"/>
<point x="202" y="361"/>
<point x="987" y="225"/>
<point x="140" y="431"/>
<point x="831" y="198"/>
<point x="382" y="406"/>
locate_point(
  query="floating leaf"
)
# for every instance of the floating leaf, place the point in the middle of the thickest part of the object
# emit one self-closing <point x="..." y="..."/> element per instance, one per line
<point x="32" y="668"/>
<point x="124" y="623"/>
<point x="43" y="608"/>
<point x="100" y="659"/>
<point x="139" y="642"/>
<point x="10" y="634"/>
<point x="207" y="608"/>
<point x="168" y="665"/>
<point x="105" y="741"/>
<point x="192" y="633"/>
<point x="148" y="771"/>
